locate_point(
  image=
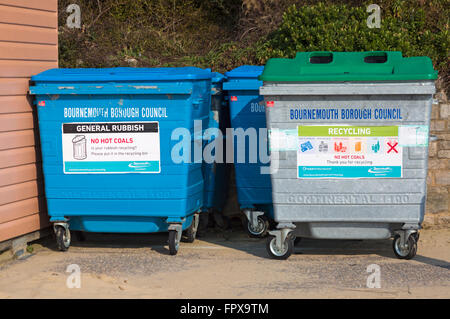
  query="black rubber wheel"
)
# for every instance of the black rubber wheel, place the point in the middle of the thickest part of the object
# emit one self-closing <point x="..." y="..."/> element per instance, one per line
<point x="62" y="238"/>
<point x="288" y="248"/>
<point x="261" y="230"/>
<point x="411" y="248"/>
<point x="173" y="242"/>
<point x="189" y="234"/>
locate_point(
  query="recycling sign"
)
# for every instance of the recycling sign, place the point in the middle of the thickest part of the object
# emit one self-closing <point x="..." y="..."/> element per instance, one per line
<point x="340" y="151"/>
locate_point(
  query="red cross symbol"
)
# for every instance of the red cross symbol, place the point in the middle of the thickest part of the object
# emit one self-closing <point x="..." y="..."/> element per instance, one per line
<point x="392" y="147"/>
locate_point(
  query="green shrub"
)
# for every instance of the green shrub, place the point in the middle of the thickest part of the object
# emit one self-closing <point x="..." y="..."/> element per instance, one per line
<point x="406" y="26"/>
<point x="221" y="34"/>
<point x="142" y="32"/>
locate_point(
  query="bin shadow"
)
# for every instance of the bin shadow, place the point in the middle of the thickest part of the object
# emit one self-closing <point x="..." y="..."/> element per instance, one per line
<point x="153" y="241"/>
<point x="432" y="261"/>
<point x="382" y="248"/>
<point x="238" y="239"/>
<point x="235" y="239"/>
<point x="309" y="246"/>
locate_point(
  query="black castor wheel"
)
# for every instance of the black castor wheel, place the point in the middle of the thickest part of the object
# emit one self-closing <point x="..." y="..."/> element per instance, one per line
<point x="410" y="249"/>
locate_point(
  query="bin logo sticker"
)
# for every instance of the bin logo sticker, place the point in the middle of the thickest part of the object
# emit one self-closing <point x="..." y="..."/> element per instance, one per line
<point x="124" y="147"/>
<point x="348" y="152"/>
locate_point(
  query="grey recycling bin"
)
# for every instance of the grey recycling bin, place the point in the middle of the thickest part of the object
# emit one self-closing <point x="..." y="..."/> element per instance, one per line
<point x="348" y="135"/>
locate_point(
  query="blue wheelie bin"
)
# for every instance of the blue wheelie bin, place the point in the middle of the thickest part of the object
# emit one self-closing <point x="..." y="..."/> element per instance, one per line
<point x="247" y="112"/>
<point x="215" y="168"/>
<point x="107" y="149"/>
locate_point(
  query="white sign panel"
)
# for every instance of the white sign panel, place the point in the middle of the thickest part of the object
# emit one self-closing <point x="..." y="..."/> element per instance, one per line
<point x="349" y="152"/>
<point x="123" y="147"/>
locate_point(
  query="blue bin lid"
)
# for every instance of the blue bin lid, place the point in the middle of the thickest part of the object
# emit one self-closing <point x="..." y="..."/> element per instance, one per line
<point x="245" y="71"/>
<point x="122" y="74"/>
<point x="217" y="77"/>
<point x="244" y="77"/>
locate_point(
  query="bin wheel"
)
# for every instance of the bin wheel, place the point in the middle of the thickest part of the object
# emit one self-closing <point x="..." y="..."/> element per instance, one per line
<point x="190" y="233"/>
<point x="409" y="251"/>
<point x="174" y="243"/>
<point x="62" y="238"/>
<point x="261" y="230"/>
<point x="284" y="253"/>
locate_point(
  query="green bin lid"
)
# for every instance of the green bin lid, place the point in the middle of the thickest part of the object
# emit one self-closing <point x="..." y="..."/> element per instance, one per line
<point x="349" y="66"/>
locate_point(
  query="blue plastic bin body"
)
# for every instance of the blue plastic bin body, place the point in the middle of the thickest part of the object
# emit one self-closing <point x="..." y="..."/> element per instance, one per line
<point x="216" y="174"/>
<point x="133" y="187"/>
<point x="247" y="111"/>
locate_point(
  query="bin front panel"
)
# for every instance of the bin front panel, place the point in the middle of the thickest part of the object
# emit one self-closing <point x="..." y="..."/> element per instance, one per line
<point x="350" y="193"/>
<point x="113" y="189"/>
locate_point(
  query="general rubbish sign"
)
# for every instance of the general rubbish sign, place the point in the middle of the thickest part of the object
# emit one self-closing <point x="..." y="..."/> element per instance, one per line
<point x="123" y="147"/>
<point x="348" y="152"/>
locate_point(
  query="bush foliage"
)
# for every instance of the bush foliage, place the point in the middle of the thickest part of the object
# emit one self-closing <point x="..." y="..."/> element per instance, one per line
<point x="223" y="34"/>
<point x="323" y="27"/>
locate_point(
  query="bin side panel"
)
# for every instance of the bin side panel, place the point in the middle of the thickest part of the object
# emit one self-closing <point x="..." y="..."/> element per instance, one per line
<point x="248" y="119"/>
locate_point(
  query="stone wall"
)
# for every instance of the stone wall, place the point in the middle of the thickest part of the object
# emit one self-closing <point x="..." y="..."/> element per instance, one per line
<point x="438" y="180"/>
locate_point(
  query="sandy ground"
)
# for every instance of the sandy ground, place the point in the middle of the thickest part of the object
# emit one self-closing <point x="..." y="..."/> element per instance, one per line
<point x="227" y="265"/>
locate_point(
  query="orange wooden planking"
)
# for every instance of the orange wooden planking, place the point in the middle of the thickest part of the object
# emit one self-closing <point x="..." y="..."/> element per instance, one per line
<point x="49" y="5"/>
<point x="17" y="156"/>
<point x="19" y="174"/>
<point x="14" y="86"/>
<point x="28" y="51"/>
<point x="24" y="69"/>
<point x="28" y="46"/>
<point x="16" y="121"/>
<point x="21" y="191"/>
<point x="17" y="139"/>
<point x="15" y="104"/>
<point x="24" y="225"/>
<point x="24" y="16"/>
<point x="28" y="34"/>
<point x="19" y="209"/>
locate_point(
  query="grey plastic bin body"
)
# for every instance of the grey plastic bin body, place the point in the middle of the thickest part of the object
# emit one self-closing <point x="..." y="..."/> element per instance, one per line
<point x="349" y="208"/>
<point x="348" y="134"/>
